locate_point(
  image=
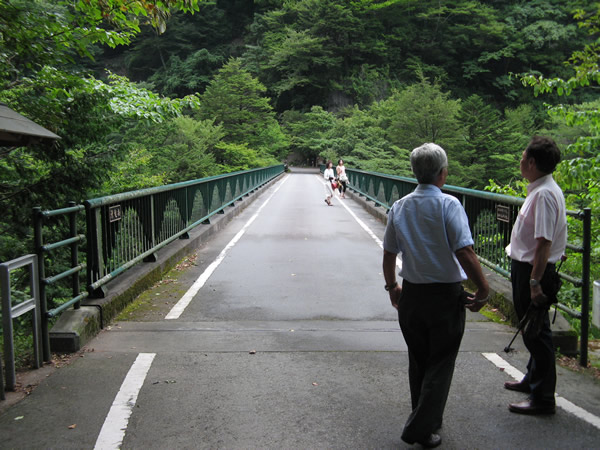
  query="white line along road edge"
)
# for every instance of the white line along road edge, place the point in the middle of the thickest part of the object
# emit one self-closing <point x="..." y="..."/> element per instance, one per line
<point x="180" y="306"/>
<point x="370" y="232"/>
<point x="560" y="401"/>
<point x="113" y="431"/>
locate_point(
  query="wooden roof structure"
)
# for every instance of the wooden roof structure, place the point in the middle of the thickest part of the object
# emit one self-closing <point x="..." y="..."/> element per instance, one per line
<point x="18" y="131"/>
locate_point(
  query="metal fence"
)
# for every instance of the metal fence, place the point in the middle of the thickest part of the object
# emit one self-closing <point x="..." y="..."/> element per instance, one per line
<point x="491" y="218"/>
<point x="29" y="301"/>
<point x="125" y="229"/>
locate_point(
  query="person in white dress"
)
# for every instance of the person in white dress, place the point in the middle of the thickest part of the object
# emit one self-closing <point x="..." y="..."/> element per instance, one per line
<point x="329" y="177"/>
<point x="342" y="178"/>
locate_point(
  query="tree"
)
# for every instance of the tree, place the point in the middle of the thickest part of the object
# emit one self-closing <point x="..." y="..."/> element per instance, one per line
<point x="421" y="113"/>
<point x="578" y="175"/>
<point x="362" y="143"/>
<point x="235" y="100"/>
<point x="46" y="32"/>
<point x="182" y="77"/>
<point x="306" y="51"/>
<point x="175" y="150"/>
<point x="491" y="145"/>
<point x="308" y="132"/>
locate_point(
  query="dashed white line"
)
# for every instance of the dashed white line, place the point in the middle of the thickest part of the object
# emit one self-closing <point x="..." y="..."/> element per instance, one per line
<point x="180" y="306"/>
<point x="560" y="401"/>
<point x="114" y="427"/>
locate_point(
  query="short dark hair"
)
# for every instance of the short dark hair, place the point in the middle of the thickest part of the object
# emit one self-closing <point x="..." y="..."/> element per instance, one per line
<point x="545" y="153"/>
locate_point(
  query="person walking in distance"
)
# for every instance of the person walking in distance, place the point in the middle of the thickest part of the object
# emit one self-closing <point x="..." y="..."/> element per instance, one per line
<point x="342" y="178"/>
<point x="430" y="230"/>
<point x="329" y="177"/>
<point x="537" y="242"/>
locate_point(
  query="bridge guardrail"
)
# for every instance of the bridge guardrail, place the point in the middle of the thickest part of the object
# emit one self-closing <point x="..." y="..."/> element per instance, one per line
<point x="11" y="311"/>
<point x="124" y="229"/>
<point x="491" y="218"/>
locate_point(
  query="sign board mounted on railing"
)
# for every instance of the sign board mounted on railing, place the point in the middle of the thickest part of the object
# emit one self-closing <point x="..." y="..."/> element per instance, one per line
<point x="114" y="213"/>
<point x="503" y="213"/>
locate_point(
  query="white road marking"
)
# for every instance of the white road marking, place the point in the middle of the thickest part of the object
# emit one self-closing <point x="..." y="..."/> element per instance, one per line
<point x="560" y="401"/>
<point x="113" y="431"/>
<point x="180" y="306"/>
<point x="369" y="232"/>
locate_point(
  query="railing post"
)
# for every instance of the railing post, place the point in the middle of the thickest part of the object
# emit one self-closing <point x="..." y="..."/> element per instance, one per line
<point x="74" y="253"/>
<point x="9" y="313"/>
<point x="38" y="220"/>
<point x="94" y="263"/>
<point x="7" y="327"/>
<point x="585" y="286"/>
<point x="152" y="258"/>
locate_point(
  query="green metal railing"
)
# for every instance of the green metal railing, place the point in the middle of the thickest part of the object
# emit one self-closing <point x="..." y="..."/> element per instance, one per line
<point x="40" y="219"/>
<point x="491" y="218"/>
<point x="125" y="229"/>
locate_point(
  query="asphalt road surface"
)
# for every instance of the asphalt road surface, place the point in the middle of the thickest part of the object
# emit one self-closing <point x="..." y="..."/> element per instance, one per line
<point x="279" y="335"/>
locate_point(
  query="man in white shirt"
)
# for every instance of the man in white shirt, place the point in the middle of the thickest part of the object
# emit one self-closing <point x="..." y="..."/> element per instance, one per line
<point x="431" y="231"/>
<point x="538" y="241"/>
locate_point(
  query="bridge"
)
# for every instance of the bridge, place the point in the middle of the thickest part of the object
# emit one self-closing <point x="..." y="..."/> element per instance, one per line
<point x="277" y="333"/>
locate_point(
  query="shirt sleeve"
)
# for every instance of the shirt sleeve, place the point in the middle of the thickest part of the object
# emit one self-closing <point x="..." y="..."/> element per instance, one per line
<point x="546" y="213"/>
<point x="390" y="243"/>
<point x="457" y="226"/>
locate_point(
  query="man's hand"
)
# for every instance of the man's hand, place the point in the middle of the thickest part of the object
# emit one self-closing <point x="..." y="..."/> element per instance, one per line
<point x="395" y="295"/>
<point x="538" y="298"/>
<point x="477" y="301"/>
<point x="468" y="260"/>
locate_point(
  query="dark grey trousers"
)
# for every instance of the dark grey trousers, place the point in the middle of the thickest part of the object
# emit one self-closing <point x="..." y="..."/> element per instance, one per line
<point x="432" y="319"/>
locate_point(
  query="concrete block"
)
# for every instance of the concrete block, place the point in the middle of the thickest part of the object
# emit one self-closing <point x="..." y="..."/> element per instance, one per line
<point x="74" y="328"/>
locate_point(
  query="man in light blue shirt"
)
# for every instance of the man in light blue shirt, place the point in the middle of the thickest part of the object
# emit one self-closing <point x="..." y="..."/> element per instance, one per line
<point x="430" y="230"/>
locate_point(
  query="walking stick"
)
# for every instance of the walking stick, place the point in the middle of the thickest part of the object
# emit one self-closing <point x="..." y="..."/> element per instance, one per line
<point x="522" y="324"/>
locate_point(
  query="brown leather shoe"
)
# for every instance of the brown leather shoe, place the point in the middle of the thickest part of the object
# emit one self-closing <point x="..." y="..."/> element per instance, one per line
<point x="532" y="408"/>
<point x="518" y="386"/>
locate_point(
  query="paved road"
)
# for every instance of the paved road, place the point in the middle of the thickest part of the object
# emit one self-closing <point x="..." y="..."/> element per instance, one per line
<point x="289" y="343"/>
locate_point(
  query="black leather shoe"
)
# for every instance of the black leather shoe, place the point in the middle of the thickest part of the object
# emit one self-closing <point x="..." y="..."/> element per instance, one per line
<point x="431" y="441"/>
<point x="518" y="386"/>
<point x="532" y="408"/>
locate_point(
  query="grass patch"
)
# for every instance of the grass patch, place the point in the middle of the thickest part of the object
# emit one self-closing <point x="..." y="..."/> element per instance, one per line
<point x="154" y="302"/>
<point x="494" y="314"/>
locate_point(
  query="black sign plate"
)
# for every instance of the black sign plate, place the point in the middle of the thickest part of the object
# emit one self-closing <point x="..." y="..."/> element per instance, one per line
<point x="114" y="213"/>
<point x="503" y="213"/>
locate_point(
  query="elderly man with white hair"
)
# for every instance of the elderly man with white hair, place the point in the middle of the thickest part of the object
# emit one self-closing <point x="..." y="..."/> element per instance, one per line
<point x="430" y="230"/>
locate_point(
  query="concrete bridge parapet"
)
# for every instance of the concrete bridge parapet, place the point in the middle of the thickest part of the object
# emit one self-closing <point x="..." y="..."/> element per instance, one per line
<point x="75" y="327"/>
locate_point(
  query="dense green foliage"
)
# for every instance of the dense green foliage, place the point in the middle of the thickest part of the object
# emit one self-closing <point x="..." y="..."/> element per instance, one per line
<point x="579" y="173"/>
<point x="151" y="92"/>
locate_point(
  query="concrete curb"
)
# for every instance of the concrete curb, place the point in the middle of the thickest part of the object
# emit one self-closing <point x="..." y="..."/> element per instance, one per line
<point x="564" y="337"/>
<point x="75" y="327"/>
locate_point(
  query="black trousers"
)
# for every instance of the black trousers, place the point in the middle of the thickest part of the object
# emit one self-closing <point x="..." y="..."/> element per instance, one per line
<point x="432" y="319"/>
<point x="541" y="368"/>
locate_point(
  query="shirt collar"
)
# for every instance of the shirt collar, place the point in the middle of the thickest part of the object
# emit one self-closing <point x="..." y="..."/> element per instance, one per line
<point x="429" y="188"/>
<point x="537" y="183"/>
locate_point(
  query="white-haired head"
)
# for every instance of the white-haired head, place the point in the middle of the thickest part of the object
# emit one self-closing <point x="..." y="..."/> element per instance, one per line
<point x="427" y="161"/>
